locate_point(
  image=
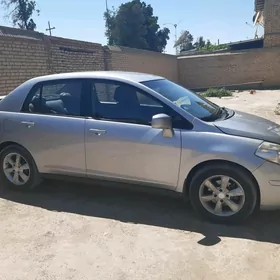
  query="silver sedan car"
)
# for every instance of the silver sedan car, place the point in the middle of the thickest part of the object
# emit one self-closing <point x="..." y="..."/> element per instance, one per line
<point x="142" y="130"/>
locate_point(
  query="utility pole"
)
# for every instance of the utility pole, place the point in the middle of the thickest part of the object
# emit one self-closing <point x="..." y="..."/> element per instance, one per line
<point x="50" y="28"/>
<point x="106" y="2"/>
<point x="254" y="26"/>
<point x="175" y="25"/>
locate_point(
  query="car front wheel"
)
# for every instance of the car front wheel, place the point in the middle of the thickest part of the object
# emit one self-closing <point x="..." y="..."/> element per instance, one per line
<point x="18" y="169"/>
<point x="223" y="193"/>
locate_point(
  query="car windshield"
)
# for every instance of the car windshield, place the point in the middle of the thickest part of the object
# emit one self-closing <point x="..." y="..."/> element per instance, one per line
<point x="186" y="99"/>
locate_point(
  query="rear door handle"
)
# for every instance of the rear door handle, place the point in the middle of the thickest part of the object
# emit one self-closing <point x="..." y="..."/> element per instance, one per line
<point x="28" y="124"/>
<point x="97" y="131"/>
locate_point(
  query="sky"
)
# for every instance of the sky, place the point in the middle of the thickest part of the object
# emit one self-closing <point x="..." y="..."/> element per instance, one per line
<point x="221" y="20"/>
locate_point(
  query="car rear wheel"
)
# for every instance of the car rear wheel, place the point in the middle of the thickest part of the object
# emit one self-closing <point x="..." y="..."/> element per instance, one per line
<point x="223" y="193"/>
<point x="18" y="169"/>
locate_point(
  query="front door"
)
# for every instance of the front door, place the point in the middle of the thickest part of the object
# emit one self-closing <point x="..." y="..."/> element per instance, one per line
<point x="120" y="142"/>
<point x="51" y="127"/>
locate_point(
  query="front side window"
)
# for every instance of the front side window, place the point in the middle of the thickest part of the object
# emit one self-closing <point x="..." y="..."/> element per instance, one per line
<point x="124" y="103"/>
<point x="56" y="97"/>
<point x="185" y="99"/>
<point x="105" y="91"/>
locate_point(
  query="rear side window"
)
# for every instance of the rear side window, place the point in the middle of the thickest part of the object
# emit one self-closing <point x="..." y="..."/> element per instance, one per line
<point x="56" y="97"/>
<point x="53" y="91"/>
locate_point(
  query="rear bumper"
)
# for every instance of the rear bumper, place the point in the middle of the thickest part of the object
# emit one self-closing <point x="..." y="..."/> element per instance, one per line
<point x="268" y="178"/>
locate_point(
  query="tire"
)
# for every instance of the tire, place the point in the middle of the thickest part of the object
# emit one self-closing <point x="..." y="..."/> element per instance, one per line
<point x="200" y="194"/>
<point x="32" y="173"/>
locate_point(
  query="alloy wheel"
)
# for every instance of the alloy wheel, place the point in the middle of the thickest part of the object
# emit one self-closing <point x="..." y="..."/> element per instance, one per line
<point x="16" y="169"/>
<point x="222" y="195"/>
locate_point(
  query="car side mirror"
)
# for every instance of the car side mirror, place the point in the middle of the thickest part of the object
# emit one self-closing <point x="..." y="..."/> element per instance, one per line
<point x="164" y="122"/>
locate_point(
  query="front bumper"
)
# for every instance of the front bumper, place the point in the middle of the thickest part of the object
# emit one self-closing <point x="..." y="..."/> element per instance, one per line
<point x="268" y="178"/>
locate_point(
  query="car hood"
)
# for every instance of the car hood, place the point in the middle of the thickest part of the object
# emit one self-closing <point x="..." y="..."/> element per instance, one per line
<point x="247" y="125"/>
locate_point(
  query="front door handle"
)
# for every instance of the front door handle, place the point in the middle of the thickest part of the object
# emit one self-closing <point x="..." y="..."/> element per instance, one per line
<point x="97" y="131"/>
<point x="28" y="124"/>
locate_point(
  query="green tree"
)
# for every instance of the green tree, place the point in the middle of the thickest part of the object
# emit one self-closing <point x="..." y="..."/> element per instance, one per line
<point x="212" y="47"/>
<point x="185" y="41"/>
<point x="21" y="12"/>
<point x="134" y="25"/>
<point x="200" y="42"/>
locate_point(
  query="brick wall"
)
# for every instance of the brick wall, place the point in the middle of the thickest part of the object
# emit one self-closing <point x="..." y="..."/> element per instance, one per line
<point x="235" y="68"/>
<point x="272" y="23"/>
<point x="26" y="54"/>
<point x="128" y="59"/>
<point x="20" y="60"/>
<point x="71" y="55"/>
<point x="242" y="68"/>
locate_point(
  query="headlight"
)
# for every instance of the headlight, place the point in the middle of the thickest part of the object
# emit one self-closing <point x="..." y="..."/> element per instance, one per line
<point x="269" y="151"/>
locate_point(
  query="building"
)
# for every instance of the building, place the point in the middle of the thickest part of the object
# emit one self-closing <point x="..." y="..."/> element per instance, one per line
<point x="271" y="14"/>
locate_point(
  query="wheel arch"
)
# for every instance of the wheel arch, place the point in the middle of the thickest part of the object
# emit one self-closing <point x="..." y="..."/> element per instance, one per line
<point x="6" y="144"/>
<point x="34" y="179"/>
<point x="195" y="169"/>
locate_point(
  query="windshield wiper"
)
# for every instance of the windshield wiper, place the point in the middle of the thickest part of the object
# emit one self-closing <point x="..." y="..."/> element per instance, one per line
<point x="227" y="112"/>
<point x="215" y="115"/>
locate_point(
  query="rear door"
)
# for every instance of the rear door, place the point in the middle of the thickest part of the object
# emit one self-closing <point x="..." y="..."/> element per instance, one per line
<point x="51" y="127"/>
<point x="120" y="142"/>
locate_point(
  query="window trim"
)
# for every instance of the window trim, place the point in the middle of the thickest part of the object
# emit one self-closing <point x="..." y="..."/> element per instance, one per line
<point x="39" y="85"/>
<point x="184" y="123"/>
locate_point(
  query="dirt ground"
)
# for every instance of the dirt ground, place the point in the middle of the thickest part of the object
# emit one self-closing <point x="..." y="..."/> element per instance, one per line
<point x="262" y="103"/>
<point x="64" y="231"/>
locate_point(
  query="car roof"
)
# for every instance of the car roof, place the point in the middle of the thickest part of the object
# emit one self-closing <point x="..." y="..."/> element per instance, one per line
<point x="118" y="75"/>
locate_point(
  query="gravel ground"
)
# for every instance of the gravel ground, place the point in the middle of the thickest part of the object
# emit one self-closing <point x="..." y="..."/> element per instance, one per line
<point x="73" y="231"/>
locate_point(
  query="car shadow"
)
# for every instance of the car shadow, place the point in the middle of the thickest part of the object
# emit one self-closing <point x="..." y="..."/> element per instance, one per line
<point x="144" y="208"/>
